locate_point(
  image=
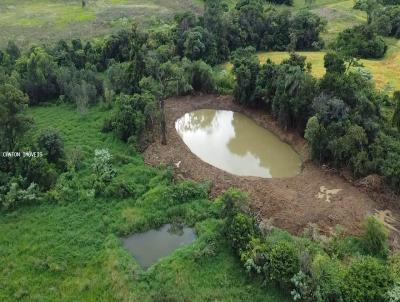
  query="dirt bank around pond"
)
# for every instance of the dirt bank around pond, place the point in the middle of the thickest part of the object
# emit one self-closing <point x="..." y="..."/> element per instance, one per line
<point x="314" y="196"/>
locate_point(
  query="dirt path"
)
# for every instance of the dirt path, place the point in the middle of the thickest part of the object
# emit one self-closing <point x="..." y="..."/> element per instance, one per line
<point x="314" y="196"/>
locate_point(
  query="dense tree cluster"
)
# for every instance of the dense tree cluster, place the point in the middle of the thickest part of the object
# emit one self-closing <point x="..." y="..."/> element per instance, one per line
<point x="361" y="42"/>
<point x="340" y="114"/>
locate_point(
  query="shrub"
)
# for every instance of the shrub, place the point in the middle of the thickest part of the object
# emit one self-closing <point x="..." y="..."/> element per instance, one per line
<point x="393" y="295"/>
<point x="233" y="202"/>
<point x="102" y="166"/>
<point x="303" y="288"/>
<point x="67" y="189"/>
<point x="240" y="231"/>
<point x="201" y="76"/>
<point x="39" y="171"/>
<point x="17" y="196"/>
<point x="188" y="190"/>
<point x="132" y="115"/>
<point x="75" y="159"/>
<point x="51" y="142"/>
<point x="394" y="265"/>
<point x="366" y="280"/>
<point x="254" y="257"/>
<point x="328" y="274"/>
<point x="374" y="238"/>
<point x="282" y="262"/>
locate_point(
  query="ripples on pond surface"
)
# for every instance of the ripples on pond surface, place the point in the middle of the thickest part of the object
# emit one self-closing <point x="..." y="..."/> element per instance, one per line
<point x="235" y="143"/>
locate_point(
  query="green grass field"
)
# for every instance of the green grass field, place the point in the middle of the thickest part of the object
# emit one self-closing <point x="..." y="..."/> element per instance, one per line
<point x="41" y="21"/>
<point x="386" y="72"/>
<point x="71" y="251"/>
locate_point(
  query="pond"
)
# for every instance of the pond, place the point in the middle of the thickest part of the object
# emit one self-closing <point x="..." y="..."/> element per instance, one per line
<point x="234" y="143"/>
<point x="150" y="246"/>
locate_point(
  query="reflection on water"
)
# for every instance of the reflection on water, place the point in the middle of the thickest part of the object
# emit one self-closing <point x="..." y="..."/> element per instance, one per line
<point x="152" y="245"/>
<point x="235" y="143"/>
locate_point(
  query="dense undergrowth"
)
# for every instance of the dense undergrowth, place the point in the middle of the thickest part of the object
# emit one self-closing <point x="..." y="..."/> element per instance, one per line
<point x="69" y="249"/>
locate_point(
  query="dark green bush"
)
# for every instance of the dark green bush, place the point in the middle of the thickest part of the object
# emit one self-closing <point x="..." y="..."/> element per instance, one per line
<point x="52" y="144"/>
<point x="367" y="279"/>
<point x="187" y="191"/>
<point x="282" y="262"/>
<point x="361" y="42"/>
<point x="374" y="239"/>
<point x="240" y="231"/>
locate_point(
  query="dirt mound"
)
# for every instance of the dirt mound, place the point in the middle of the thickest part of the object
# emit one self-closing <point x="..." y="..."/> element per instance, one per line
<point x="316" y="196"/>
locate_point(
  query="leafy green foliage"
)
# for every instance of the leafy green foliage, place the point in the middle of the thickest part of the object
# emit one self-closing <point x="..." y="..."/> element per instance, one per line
<point x="132" y="115"/>
<point x="13" y="124"/>
<point x="375" y="238"/>
<point x="15" y="196"/>
<point x="367" y="279"/>
<point x="51" y="142"/>
<point x="360" y="42"/>
<point x="245" y="69"/>
<point x="38" y="72"/>
<point x="282" y="262"/>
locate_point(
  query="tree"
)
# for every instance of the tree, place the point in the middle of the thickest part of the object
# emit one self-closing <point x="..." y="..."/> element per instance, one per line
<point x="13" y="51"/>
<point x="245" y="69"/>
<point x="369" y="6"/>
<point x="333" y="62"/>
<point x="199" y="44"/>
<point x="214" y="20"/>
<point x="132" y="115"/>
<point x="305" y="29"/>
<point x="360" y="42"/>
<point x="39" y="77"/>
<point x="201" y="76"/>
<point x="13" y="123"/>
<point x="51" y="142"/>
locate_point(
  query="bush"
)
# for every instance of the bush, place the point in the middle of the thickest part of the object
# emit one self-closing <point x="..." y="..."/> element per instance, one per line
<point x="366" y="280"/>
<point x="328" y="274"/>
<point x="51" y="142"/>
<point x="282" y="263"/>
<point x="394" y="265"/>
<point x="240" y="231"/>
<point x="67" y="189"/>
<point x="201" y="77"/>
<point x="374" y="238"/>
<point x="39" y="171"/>
<point x="132" y="115"/>
<point x="188" y="190"/>
<point x="393" y="295"/>
<point x="15" y="196"/>
<point x="102" y="166"/>
<point x="361" y="42"/>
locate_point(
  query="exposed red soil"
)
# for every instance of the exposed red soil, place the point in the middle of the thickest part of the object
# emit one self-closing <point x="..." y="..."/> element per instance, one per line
<point x="292" y="203"/>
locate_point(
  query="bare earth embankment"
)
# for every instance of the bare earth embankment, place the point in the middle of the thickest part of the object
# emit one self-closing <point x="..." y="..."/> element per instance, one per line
<point x="317" y="195"/>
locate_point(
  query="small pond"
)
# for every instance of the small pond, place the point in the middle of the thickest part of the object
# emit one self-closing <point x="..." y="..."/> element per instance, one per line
<point x="234" y="143"/>
<point x="150" y="246"/>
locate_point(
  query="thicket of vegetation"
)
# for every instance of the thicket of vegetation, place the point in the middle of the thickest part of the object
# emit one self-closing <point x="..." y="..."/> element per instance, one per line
<point x="313" y="267"/>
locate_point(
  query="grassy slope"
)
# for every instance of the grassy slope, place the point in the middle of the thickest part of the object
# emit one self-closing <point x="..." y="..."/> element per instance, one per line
<point x="38" y="21"/>
<point x="341" y="15"/>
<point x="70" y="252"/>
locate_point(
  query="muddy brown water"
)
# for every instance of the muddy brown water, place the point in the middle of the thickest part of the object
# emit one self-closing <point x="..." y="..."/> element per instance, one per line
<point x="150" y="246"/>
<point x="233" y="142"/>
